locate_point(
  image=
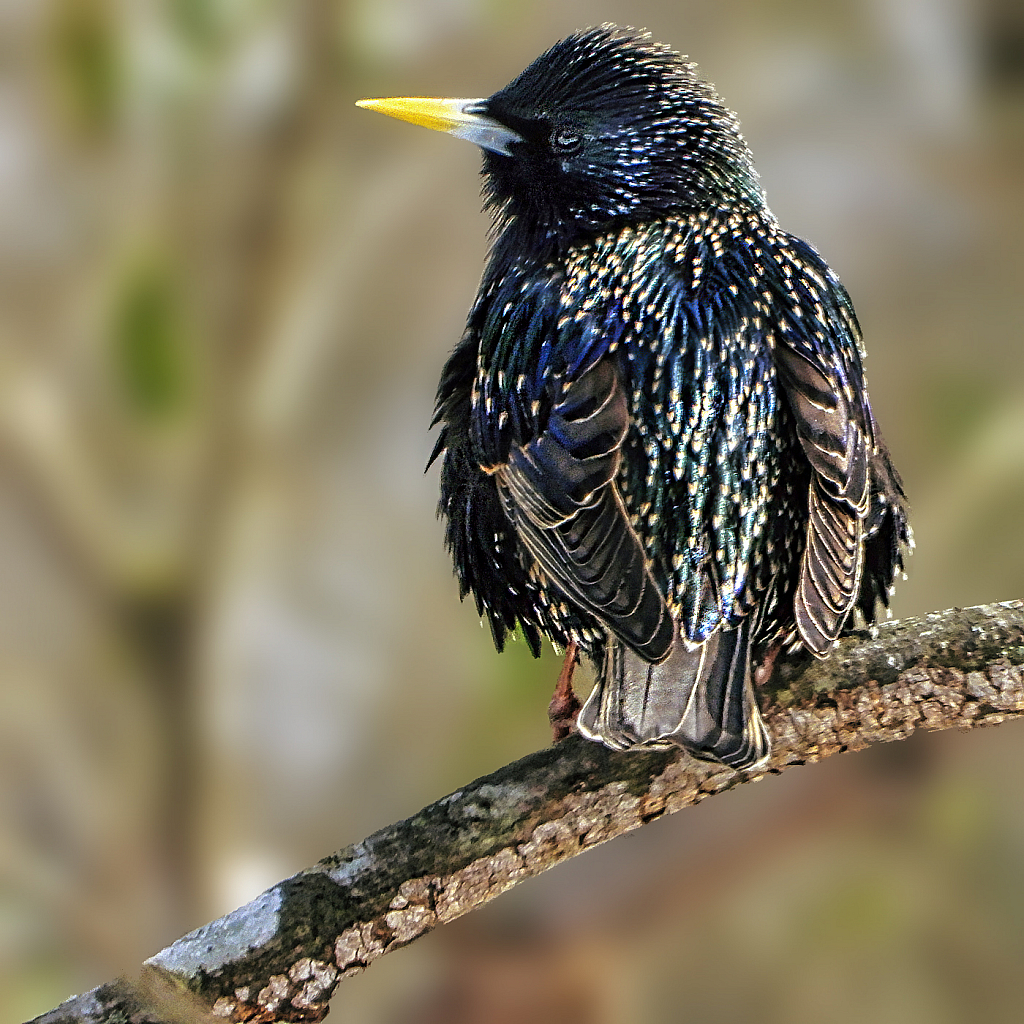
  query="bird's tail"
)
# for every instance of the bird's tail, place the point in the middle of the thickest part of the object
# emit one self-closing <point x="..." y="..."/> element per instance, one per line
<point x="700" y="699"/>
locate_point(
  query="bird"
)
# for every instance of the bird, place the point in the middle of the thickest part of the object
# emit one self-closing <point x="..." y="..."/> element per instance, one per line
<point x="657" y="446"/>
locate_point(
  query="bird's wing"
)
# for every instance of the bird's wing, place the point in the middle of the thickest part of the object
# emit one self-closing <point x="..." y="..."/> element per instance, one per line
<point x="560" y="493"/>
<point x="887" y="533"/>
<point x="824" y="386"/>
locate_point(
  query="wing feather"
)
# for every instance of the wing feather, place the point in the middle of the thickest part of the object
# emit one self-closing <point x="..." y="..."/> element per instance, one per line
<point x="560" y="492"/>
<point x="834" y="427"/>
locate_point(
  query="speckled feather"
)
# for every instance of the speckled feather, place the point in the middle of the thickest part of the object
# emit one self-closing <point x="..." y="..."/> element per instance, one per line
<point x="656" y="430"/>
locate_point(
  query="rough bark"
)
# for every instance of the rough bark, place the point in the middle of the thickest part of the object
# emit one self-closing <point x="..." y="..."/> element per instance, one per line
<point x="280" y="957"/>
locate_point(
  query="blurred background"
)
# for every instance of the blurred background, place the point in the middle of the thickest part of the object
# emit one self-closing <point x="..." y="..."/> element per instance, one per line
<point x="229" y="638"/>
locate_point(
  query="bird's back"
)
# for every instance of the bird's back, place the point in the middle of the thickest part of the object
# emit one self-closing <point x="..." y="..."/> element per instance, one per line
<point x="701" y="319"/>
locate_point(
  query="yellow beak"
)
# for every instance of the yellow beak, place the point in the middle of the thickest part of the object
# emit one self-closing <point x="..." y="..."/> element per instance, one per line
<point x="461" y="118"/>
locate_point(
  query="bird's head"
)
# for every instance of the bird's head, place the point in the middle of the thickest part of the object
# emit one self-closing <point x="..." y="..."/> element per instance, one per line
<point x="605" y="125"/>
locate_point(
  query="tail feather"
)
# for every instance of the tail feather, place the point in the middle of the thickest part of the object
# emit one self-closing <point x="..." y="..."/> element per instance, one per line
<point x="700" y="699"/>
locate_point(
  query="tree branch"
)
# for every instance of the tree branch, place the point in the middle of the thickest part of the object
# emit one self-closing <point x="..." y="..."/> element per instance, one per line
<point x="280" y="957"/>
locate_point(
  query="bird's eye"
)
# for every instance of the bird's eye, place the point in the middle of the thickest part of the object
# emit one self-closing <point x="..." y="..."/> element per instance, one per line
<point x="566" y="141"/>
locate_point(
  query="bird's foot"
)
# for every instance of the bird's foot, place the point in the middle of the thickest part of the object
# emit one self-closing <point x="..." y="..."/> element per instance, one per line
<point x="565" y="705"/>
<point x="763" y="672"/>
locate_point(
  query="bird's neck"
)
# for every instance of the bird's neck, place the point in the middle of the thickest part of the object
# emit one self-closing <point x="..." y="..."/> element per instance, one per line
<point x="537" y="241"/>
<point x="518" y="237"/>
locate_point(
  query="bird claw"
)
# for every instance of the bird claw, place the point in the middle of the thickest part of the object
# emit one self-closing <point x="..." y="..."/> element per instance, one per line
<point x="565" y="705"/>
<point x="763" y="672"/>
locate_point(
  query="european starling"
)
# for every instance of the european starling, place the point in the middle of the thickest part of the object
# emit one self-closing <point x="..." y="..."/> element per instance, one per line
<point x="658" y="445"/>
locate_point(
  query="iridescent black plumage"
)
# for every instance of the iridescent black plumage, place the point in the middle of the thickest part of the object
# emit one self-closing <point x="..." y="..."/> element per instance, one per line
<point x="656" y="431"/>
